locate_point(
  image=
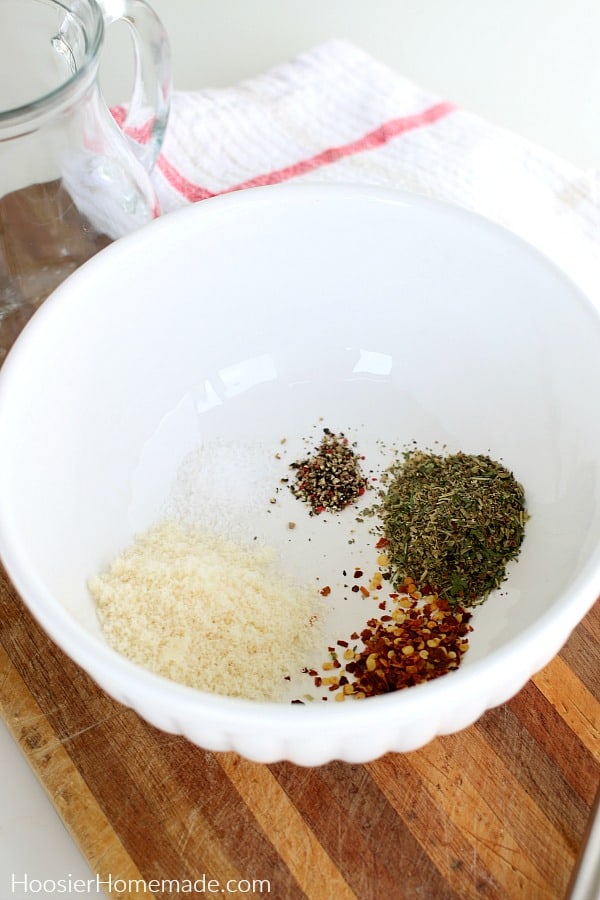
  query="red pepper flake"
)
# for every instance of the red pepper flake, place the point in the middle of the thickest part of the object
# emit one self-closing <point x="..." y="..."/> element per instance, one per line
<point x="325" y="592"/>
<point x="421" y="640"/>
<point x="382" y="542"/>
<point x="410" y="648"/>
<point x="358" y="573"/>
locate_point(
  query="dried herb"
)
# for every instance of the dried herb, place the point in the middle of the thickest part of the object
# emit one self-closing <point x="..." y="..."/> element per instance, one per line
<point x="452" y="523"/>
<point x="331" y="478"/>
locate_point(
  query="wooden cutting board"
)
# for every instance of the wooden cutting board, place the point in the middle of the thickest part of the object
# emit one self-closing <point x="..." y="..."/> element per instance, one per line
<point x="496" y="811"/>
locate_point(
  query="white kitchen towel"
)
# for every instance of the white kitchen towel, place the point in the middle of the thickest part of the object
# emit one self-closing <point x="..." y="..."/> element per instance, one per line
<point x="336" y="114"/>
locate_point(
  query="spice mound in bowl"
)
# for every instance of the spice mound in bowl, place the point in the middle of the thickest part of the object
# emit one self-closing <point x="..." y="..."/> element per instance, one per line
<point x="330" y="479"/>
<point x="206" y="612"/>
<point x="453" y="522"/>
<point x="162" y="394"/>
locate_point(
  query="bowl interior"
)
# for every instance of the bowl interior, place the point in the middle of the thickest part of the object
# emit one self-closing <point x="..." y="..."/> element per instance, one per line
<point x="262" y="317"/>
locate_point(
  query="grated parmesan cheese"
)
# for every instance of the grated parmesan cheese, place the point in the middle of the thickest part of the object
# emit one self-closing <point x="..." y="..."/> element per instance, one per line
<point x="201" y="610"/>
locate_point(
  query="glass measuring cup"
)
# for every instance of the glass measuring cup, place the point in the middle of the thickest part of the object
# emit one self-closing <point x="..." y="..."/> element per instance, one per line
<point x="71" y="179"/>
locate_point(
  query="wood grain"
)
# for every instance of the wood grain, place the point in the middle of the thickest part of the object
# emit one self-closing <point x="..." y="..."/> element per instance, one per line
<point x="61" y="779"/>
<point x="496" y="811"/>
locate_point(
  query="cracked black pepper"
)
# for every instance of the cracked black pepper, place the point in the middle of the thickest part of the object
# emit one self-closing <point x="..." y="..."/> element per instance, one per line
<point x="330" y="479"/>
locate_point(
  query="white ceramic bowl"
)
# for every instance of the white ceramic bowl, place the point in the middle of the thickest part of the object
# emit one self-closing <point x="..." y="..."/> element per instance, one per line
<point x="249" y="317"/>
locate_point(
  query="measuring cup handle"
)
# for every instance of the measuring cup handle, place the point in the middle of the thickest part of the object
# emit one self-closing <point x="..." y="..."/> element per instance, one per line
<point x="147" y="113"/>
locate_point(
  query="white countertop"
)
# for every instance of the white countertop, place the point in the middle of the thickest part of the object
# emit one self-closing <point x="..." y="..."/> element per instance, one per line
<point x="531" y="66"/>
